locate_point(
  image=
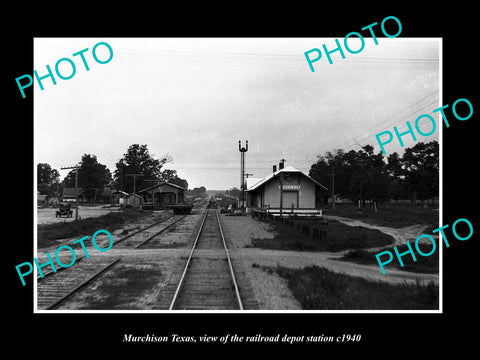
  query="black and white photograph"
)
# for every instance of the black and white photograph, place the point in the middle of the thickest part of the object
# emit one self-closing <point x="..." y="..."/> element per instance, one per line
<point x="230" y="177"/>
<point x="224" y="184"/>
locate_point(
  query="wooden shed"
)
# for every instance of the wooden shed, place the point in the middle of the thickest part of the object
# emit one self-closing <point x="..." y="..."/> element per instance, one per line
<point x="134" y="200"/>
<point x="118" y="197"/>
<point x="163" y="194"/>
<point x="69" y="194"/>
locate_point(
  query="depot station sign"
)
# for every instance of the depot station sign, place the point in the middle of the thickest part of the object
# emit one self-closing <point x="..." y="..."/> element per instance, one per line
<point x="289" y="187"/>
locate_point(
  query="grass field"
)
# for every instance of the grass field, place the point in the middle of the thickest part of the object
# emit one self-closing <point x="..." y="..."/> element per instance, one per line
<point x="424" y="264"/>
<point x="396" y="216"/>
<point x="338" y="237"/>
<point x="47" y="233"/>
<point x="317" y="288"/>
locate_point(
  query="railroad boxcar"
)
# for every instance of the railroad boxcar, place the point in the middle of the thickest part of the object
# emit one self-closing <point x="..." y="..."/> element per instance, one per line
<point x="212" y="203"/>
<point x="181" y="208"/>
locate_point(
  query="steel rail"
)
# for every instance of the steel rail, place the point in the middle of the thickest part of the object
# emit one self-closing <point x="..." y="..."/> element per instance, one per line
<point x="234" y="279"/>
<point x="82" y="285"/>
<point x="160" y="231"/>
<point x="142" y="229"/>
<point x="57" y="270"/>
<point x="145" y="228"/>
<point x="39" y="278"/>
<point x="180" y="283"/>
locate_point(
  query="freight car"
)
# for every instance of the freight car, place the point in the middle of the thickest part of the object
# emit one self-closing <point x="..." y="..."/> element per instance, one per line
<point x="181" y="208"/>
<point x="212" y="203"/>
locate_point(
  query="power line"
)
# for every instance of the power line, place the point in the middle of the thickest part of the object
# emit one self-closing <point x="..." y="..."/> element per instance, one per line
<point x="408" y="107"/>
<point x="369" y="134"/>
<point x="134" y="179"/>
<point x="400" y="112"/>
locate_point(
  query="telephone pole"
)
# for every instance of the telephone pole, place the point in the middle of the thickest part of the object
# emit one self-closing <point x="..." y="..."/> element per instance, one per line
<point x="362" y="164"/>
<point x="76" y="187"/>
<point x="332" y="175"/>
<point x="242" y="150"/>
<point x="134" y="179"/>
<point x="281" y="165"/>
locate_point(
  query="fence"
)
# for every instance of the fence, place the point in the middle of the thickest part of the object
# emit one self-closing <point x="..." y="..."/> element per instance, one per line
<point x="315" y="228"/>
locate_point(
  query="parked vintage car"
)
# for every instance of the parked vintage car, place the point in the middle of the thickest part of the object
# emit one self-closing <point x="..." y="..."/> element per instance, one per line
<point x="64" y="209"/>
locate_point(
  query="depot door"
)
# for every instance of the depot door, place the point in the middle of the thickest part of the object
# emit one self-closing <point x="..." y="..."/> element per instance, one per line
<point x="290" y="199"/>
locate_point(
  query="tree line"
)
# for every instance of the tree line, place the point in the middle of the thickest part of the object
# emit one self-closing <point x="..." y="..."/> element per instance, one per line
<point x="136" y="165"/>
<point x="365" y="176"/>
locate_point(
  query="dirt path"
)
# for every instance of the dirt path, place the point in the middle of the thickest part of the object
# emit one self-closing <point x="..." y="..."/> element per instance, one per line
<point x="47" y="215"/>
<point x="271" y="290"/>
<point x="401" y="235"/>
<point x="300" y="259"/>
<point x="252" y="264"/>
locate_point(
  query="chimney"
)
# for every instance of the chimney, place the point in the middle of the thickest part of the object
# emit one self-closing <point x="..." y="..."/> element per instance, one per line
<point x="274" y="168"/>
<point x="280" y="165"/>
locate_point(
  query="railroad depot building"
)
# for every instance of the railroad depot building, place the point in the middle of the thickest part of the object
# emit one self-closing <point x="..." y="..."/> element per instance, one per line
<point x="70" y="194"/>
<point x="163" y="194"/>
<point x="288" y="188"/>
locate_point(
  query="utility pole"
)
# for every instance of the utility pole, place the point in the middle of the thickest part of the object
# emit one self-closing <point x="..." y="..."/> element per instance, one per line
<point x="281" y="165"/>
<point x="332" y="175"/>
<point x="362" y="164"/>
<point x="134" y="179"/>
<point x="95" y="196"/>
<point x="121" y="178"/>
<point x="242" y="150"/>
<point x="76" y="187"/>
<point x="134" y="184"/>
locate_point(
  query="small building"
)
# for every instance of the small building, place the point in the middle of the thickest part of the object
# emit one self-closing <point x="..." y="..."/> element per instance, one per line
<point x="134" y="200"/>
<point x="69" y="194"/>
<point x="288" y="189"/>
<point x="118" y="197"/>
<point x="163" y="194"/>
<point x="42" y="200"/>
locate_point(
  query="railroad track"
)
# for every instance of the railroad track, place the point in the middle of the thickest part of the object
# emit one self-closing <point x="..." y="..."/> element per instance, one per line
<point x="53" y="290"/>
<point x="137" y="239"/>
<point x="208" y="281"/>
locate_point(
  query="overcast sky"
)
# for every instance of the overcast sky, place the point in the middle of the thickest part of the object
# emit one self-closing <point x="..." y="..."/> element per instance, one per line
<point x="194" y="99"/>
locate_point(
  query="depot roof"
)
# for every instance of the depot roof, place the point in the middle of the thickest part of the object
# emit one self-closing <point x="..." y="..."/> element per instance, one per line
<point x="72" y="191"/>
<point x="287" y="169"/>
<point x="162" y="184"/>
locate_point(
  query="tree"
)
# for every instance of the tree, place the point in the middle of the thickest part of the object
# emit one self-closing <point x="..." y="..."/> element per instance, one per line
<point x="396" y="176"/>
<point x="197" y="192"/>
<point x="137" y="160"/>
<point x="363" y="175"/>
<point x="92" y="176"/>
<point x="328" y="165"/>
<point x="172" y="177"/>
<point x="359" y="175"/>
<point x="370" y="175"/>
<point x="48" y="180"/>
<point x="420" y="165"/>
<point x="234" y="192"/>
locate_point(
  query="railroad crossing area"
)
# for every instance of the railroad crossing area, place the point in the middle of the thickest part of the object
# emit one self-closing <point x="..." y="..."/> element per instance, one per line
<point x="180" y="262"/>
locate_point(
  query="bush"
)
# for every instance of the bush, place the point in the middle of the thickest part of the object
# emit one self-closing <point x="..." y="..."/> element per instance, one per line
<point x="338" y="237"/>
<point x="426" y="265"/>
<point x="320" y="289"/>
<point x="47" y="233"/>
